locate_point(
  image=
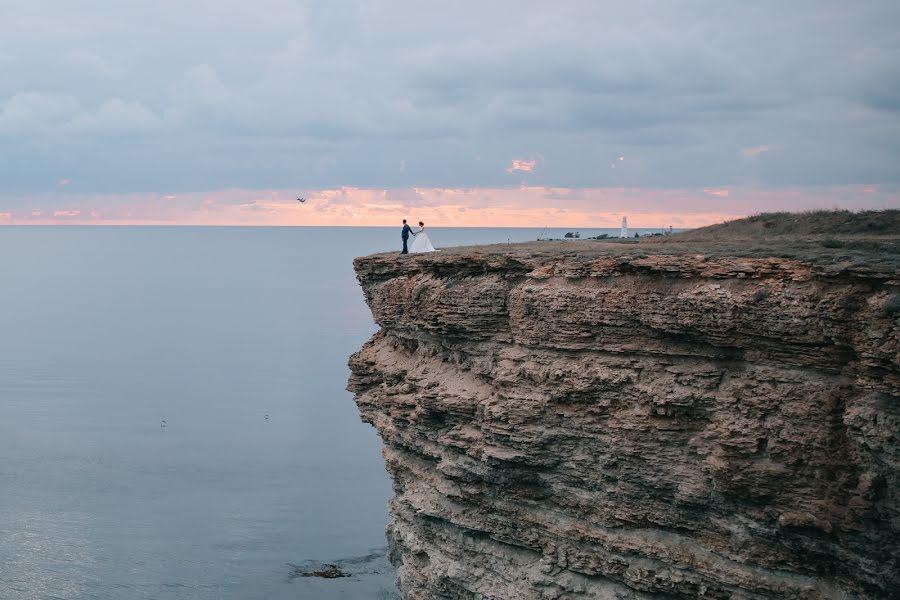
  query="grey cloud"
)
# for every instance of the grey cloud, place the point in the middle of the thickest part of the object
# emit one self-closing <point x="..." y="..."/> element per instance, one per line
<point x="30" y="113"/>
<point x="115" y="116"/>
<point x="204" y="95"/>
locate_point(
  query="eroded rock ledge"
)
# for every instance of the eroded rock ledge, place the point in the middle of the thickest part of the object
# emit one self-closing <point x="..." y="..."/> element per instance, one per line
<point x="565" y="425"/>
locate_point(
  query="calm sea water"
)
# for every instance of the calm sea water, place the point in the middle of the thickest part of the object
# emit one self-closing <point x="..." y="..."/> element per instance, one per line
<point x="238" y="339"/>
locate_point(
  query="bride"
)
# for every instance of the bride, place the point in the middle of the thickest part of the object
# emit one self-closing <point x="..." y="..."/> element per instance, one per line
<point x="421" y="243"/>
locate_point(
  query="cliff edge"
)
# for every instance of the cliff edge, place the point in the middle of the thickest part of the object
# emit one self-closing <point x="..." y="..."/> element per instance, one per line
<point x="678" y="418"/>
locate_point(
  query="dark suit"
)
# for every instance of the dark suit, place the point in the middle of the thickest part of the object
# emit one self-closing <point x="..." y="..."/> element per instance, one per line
<point x="404" y="235"/>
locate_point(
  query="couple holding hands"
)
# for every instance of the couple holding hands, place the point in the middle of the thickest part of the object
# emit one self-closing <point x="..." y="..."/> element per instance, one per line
<point x="420" y="242"/>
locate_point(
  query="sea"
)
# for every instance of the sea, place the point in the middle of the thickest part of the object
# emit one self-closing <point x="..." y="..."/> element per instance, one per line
<point x="174" y="422"/>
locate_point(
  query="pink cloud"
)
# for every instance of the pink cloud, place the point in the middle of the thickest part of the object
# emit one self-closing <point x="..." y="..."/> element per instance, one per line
<point x="521" y="164"/>
<point x="756" y="151"/>
<point x="64" y="182"/>
<point x="521" y="206"/>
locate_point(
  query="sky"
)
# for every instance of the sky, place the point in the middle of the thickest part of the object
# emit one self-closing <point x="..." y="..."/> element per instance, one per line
<point x="498" y="113"/>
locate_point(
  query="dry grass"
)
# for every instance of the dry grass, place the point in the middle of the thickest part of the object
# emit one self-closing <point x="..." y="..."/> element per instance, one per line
<point x="832" y="223"/>
<point x="867" y="241"/>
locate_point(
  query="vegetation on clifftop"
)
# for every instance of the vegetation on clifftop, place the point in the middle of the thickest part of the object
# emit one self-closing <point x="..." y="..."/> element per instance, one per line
<point x="862" y="242"/>
<point x="835" y="223"/>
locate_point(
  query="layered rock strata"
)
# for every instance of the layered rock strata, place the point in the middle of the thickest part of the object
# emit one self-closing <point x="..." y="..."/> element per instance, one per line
<point x="561" y="425"/>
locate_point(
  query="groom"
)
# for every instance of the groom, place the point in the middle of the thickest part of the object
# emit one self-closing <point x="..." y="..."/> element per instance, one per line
<point x="404" y="235"/>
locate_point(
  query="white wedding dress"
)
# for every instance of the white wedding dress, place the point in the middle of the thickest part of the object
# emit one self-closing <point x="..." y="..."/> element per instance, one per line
<point x="420" y="242"/>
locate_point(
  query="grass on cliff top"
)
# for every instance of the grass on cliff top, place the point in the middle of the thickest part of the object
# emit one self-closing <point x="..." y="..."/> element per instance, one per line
<point x="865" y="240"/>
<point x="862" y="241"/>
<point x="833" y="223"/>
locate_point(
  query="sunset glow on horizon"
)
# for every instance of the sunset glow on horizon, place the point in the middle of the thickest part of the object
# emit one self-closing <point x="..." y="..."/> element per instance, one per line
<point x="523" y="206"/>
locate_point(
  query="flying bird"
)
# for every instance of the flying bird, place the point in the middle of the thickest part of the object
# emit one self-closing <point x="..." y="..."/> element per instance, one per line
<point x="301" y="200"/>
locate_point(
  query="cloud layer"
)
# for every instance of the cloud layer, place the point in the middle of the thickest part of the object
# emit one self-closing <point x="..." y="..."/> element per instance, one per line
<point x="525" y="206"/>
<point x="174" y="98"/>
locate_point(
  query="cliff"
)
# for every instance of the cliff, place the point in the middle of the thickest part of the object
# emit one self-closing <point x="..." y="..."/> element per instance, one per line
<point x="603" y="420"/>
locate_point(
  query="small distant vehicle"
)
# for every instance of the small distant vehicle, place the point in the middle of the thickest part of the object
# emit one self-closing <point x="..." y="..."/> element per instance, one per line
<point x="301" y="200"/>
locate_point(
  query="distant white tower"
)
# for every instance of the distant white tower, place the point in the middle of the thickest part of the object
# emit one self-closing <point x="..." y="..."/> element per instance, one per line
<point x="624" y="232"/>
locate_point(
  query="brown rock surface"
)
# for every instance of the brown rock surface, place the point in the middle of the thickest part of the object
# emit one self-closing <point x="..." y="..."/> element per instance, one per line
<point x="612" y="423"/>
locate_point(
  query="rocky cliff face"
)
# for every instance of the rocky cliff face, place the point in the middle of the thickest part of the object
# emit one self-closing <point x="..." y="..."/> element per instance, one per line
<point x="562" y="425"/>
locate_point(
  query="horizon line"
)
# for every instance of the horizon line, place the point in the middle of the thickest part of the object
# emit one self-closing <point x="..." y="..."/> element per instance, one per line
<point x="277" y="226"/>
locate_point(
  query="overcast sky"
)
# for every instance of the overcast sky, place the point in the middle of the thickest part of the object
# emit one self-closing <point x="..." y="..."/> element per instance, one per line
<point x="196" y="111"/>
